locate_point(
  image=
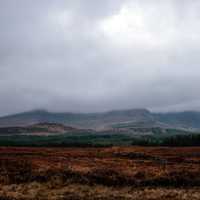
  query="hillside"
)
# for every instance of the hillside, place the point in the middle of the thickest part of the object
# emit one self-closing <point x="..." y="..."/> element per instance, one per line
<point x="80" y="120"/>
<point x="37" y="129"/>
<point x="132" y="118"/>
<point x="189" y="119"/>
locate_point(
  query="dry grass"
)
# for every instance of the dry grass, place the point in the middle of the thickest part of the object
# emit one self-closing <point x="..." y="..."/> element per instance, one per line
<point x="34" y="191"/>
<point x="100" y="173"/>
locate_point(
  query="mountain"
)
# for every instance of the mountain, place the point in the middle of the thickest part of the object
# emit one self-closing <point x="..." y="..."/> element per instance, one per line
<point x="132" y="118"/>
<point x="187" y="119"/>
<point x="80" y="120"/>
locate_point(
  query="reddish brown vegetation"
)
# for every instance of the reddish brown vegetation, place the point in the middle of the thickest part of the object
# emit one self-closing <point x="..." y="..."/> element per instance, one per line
<point x="117" y="167"/>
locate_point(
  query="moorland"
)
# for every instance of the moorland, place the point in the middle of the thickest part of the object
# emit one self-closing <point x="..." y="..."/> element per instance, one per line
<point x="100" y="173"/>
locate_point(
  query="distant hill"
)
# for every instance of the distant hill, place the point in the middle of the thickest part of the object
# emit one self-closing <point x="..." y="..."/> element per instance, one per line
<point x="187" y="119"/>
<point x="80" y="120"/>
<point x="38" y="129"/>
<point x="132" y="118"/>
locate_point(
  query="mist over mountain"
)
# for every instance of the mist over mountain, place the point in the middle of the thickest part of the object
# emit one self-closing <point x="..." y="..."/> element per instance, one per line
<point x="97" y="56"/>
<point x="105" y="120"/>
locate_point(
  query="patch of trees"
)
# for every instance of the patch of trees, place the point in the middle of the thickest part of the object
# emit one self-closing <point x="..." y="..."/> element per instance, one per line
<point x="176" y="140"/>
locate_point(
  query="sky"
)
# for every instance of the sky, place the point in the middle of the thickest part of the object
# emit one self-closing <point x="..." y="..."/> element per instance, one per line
<point x="91" y="55"/>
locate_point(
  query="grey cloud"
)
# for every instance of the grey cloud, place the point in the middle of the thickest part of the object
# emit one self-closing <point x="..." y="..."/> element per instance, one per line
<point x="73" y="55"/>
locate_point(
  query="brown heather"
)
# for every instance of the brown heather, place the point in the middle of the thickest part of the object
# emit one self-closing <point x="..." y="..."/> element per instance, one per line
<point x="100" y="173"/>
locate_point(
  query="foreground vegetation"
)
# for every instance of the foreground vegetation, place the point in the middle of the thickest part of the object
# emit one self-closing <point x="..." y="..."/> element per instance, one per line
<point x="100" y="173"/>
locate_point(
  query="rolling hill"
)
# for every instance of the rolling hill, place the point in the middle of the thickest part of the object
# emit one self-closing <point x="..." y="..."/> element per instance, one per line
<point x="38" y="129"/>
<point x="133" y="118"/>
<point x="80" y="120"/>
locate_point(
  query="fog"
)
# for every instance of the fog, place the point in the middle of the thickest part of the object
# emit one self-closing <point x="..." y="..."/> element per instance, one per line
<point x="88" y="56"/>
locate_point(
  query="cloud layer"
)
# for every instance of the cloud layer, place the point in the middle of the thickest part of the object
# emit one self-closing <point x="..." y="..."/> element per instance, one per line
<point x="73" y="55"/>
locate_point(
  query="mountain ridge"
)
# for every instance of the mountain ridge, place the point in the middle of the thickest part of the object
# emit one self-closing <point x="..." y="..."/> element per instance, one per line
<point x="100" y="120"/>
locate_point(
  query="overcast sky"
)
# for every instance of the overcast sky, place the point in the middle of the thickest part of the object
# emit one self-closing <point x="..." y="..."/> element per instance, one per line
<point x="92" y="55"/>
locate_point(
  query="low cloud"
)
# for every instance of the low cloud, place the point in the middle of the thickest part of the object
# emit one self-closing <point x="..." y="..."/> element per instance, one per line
<point x="99" y="55"/>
